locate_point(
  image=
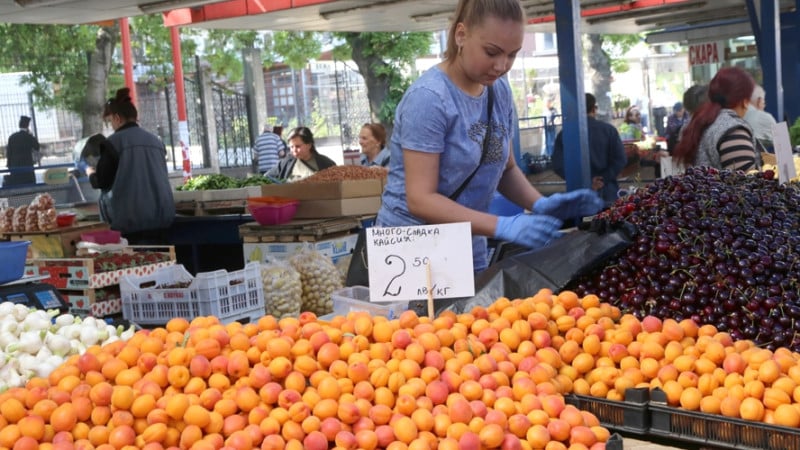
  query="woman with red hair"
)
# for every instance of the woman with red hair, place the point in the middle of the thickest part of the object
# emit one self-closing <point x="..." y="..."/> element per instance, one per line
<point x="718" y="136"/>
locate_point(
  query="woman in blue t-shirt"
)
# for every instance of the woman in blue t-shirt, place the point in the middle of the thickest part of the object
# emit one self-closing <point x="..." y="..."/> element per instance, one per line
<point x="438" y="141"/>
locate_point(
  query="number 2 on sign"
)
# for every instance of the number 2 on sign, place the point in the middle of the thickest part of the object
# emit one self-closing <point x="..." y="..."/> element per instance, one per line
<point x="402" y="270"/>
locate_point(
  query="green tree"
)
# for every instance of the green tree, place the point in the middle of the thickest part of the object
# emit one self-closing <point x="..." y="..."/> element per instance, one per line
<point x="152" y="48"/>
<point x="385" y="60"/>
<point x="222" y="49"/>
<point x="68" y="65"/>
<point x="605" y="55"/>
<point x="295" y="48"/>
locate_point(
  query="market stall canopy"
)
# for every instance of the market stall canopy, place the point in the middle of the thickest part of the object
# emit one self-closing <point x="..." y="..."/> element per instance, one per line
<point x="599" y="16"/>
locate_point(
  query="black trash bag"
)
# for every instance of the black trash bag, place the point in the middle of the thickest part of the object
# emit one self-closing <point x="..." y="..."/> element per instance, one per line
<point x="553" y="267"/>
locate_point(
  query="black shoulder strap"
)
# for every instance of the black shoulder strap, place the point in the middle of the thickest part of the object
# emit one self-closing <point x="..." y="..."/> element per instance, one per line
<point x="489" y="107"/>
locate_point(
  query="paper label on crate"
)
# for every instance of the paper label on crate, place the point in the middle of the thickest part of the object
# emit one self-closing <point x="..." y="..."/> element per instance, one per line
<point x="399" y="257"/>
<point x="783" y="152"/>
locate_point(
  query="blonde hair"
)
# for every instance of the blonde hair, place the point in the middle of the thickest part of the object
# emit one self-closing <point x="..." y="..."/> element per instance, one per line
<point x="474" y="12"/>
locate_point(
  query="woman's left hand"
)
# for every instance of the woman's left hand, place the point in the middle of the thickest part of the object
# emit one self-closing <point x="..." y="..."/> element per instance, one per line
<point x="569" y="205"/>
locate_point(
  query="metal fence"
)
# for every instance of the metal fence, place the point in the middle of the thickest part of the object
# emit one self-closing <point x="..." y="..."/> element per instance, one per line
<point x="231" y="122"/>
<point x="330" y="97"/>
<point x="158" y="113"/>
<point x="56" y="129"/>
<point x="351" y="103"/>
<point x="537" y="134"/>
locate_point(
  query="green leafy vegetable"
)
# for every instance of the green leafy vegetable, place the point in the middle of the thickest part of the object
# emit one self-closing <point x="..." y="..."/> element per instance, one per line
<point x="220" y="181"/>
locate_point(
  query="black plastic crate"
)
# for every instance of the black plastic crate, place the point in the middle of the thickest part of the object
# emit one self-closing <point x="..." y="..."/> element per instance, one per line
<point x="614" y="442"/>
<point x="630" y="415"/>
<point x="716" y="430"/>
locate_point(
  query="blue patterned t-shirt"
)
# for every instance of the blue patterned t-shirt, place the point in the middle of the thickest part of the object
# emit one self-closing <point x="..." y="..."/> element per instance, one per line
<point x="435" y="116"/>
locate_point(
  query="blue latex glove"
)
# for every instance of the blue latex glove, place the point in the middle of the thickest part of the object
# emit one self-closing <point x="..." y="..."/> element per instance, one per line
<point x="569" y="205"/>
<point x="529" y="230"/>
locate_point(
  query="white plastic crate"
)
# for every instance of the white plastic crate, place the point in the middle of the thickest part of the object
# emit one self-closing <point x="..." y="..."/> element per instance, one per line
<point x="356" y="298"/>
<point x="229" y="296"/>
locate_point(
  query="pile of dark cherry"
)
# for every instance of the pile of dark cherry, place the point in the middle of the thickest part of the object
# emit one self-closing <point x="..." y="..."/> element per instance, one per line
<point x="719" y="247"/>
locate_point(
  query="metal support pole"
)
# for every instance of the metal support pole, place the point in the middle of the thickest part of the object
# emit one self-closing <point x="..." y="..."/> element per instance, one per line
<point x="574" y="133"/>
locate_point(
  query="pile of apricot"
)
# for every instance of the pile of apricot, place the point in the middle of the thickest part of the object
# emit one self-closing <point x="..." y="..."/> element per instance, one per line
<point x="481" y="380"/>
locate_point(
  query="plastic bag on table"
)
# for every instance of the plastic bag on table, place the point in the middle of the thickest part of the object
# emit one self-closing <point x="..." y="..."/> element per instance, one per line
<point x="46" y="219"/>
<point x="20" y="218"/>
<point x="553" y="267"/>
<point x="319" y="277"/>
<point x="7" y="219"/>
<point x="283" y="290"/>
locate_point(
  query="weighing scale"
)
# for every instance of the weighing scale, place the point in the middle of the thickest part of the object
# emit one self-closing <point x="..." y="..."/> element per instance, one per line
<point x="29" y="292"/>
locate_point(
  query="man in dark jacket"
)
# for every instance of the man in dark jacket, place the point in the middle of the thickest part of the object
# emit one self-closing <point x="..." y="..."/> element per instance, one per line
<point x="606" y="154"/>
<point x="21" y="152"/>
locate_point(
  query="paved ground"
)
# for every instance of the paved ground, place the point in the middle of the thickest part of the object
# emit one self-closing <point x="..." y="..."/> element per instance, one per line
<point x="636" y="444"/>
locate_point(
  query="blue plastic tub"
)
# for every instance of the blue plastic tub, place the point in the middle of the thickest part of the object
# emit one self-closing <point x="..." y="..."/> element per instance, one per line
<point x="13" y="254"/>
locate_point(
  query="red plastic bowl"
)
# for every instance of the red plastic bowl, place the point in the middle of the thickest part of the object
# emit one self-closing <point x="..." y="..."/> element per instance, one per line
<point x="65" y="219"/>
<point x="102" y="237"/>
<point x="273" y="213"/>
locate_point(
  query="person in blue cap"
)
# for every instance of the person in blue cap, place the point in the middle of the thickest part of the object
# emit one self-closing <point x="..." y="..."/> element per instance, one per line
<point x="675" y="122"/>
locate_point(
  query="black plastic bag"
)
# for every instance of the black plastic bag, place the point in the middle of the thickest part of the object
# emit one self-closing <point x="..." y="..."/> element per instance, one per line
<point x="554" y="267"/>
<point x="358" y="270"/>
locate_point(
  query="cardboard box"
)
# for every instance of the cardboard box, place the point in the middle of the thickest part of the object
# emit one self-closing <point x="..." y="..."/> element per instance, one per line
<point x="216" y="194"/>
<point x="79" y="273"/>
<point x="336" y="248"/>
<point x="325" y="191"/>
<point x="187" y="196"/>
<point x="58" y="243"/>
<point x="86" y="302"/>
<point x="313" y="209"/>
<point x="231" y="194"/>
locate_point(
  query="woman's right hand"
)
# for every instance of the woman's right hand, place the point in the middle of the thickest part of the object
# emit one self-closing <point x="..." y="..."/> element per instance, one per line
<point x="529" y="230"/>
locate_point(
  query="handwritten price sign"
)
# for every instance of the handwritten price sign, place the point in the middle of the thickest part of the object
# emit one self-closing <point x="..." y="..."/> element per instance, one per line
<point x="399" y="258"/>
<point x="783" y="152"/>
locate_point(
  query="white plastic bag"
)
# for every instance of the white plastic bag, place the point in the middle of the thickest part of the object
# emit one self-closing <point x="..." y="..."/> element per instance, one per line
<point x="319" y="277"/>
<point x="283" y="290"/>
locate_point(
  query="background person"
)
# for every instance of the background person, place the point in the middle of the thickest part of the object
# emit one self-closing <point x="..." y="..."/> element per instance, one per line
<point x="438" y="141"/>
<point x="760" y="121"/>
<point x="136" y="197"/>
<point x="631" y="128"/>
<point x="303" y="159"/>
<point x="693" y="97"/>
<point x="675" y="122"/>
<point x="717" y="135"/>
<point x="372" y="139"/>
<point x="21" y="153"/>
<point x="606" y="154"/>
<point x="269" y="148"/>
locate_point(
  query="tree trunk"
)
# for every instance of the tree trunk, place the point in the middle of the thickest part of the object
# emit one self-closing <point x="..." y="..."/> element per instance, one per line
<point x="600" y="63"/>
<point x="99" y="65"/>
<point x="374" y="70"/>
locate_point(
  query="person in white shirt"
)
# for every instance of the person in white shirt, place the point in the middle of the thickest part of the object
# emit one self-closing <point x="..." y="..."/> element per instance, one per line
<point x="269" y="148"/>
<point x="760" y="120"/>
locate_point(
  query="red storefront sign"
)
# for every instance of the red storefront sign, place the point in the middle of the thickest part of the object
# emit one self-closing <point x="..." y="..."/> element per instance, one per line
<point x="704" y="53"/>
